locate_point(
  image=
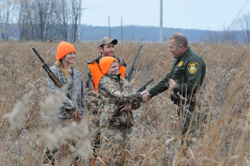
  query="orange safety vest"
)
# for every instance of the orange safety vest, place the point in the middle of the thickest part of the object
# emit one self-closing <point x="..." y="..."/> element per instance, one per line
<point x="97" y="73"/>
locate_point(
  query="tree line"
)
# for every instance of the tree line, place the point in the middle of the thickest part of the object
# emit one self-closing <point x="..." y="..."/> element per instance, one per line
<point x="39" y="19"/>
<point x="43" y="20"/>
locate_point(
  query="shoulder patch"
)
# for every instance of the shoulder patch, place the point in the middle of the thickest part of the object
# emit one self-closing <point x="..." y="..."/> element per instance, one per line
<point x="192" y="67"/>
<point x="180" y="64"/>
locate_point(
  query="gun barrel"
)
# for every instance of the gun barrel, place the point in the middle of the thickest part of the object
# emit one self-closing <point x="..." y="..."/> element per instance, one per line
<point x="129" y="76"/>
<point x="47" y="69"/>
<point x="144" y="86"/>
<point x="149" y="82"/>
<point x="38" y="55"/>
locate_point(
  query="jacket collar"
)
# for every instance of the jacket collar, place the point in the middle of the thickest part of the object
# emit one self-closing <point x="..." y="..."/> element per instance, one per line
<point x="184" y="55"/>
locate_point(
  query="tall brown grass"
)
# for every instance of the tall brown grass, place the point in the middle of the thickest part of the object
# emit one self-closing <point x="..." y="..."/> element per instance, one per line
<point x="156" y="134"/>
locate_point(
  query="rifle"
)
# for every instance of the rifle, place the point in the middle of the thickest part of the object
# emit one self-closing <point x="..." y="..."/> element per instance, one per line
<point x="128" y="77"/>
<point x="47" y="69"/>
<point x="118" y="111"/>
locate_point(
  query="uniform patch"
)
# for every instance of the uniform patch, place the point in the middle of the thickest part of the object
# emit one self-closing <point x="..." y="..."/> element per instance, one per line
<point x="192" y="67"/>
<point x="180" y="64"/>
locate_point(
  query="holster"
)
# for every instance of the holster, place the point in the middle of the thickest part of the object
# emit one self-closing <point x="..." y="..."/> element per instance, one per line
<point x="175" y="98"/>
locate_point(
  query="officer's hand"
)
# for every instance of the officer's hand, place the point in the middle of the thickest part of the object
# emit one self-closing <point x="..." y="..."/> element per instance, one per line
<point x="171" y="84"/>
<point x="126" y="107"/>
<point x="145" y="96"/>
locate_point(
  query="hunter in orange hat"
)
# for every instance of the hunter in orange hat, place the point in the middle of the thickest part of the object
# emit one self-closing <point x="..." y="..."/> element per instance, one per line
<point x="73" y="107"/>
<point x="63" y="49"/>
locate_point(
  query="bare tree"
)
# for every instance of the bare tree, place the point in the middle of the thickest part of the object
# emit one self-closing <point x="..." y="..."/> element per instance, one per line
<point x="75" y="17"/>
<point x="6" y="18"/>
<point x="24" y="21"/>
<point x="244" y="26"/>
<point x="63" y="17"/>
<point x="51" y="21"/>
<point x="45" y="19"/>
<point x="41" y="7"/>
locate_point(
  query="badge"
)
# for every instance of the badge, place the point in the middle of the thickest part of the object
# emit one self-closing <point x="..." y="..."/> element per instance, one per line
<point x="192" y="67"/>
<point x="180" y="64"/>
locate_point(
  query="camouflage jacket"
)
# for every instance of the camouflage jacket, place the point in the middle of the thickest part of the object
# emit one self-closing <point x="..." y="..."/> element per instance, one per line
<point x="91" y="98"/>
<point x="113" y="92"/>
<point x="75" y="92"/>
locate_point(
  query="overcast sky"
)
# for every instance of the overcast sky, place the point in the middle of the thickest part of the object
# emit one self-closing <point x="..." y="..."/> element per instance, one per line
<point x="186" y="14"/>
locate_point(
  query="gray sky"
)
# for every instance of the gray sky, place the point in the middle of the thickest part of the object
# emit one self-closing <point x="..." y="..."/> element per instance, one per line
<point x="186" y="14"/>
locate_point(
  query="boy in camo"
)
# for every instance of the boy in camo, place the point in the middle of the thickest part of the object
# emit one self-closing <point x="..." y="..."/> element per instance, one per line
<point x="114" y="93"/>
<point x="73" y="107"/>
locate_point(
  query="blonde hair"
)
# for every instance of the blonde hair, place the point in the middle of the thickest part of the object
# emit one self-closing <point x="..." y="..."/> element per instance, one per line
<point x="59" y="64"/>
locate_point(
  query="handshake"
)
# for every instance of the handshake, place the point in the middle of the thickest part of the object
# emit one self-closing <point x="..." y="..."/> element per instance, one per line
<point x="145" y="96"/>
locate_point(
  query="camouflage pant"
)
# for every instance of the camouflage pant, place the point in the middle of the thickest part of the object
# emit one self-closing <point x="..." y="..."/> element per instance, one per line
<point x="57" y="156"/>
<point x="115" y="145"/>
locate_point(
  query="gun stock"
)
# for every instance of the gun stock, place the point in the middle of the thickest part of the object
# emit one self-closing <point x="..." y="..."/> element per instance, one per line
<point x="54" y="79"/>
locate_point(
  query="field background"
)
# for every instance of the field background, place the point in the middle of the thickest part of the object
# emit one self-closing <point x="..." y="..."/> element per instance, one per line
<point x="156" y="134"/>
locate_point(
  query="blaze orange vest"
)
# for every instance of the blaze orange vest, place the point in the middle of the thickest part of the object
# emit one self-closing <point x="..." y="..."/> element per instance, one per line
<point x="97" y="73"/>
<point x="122" y="71"/>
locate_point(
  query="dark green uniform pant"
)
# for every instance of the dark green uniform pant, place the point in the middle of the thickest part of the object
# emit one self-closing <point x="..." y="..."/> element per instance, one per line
<point x="186" y="112"/>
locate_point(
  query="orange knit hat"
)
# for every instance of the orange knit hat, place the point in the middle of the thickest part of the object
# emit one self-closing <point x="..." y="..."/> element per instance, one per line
<point x="63" y="49"/>
<point x="105" y="63"/>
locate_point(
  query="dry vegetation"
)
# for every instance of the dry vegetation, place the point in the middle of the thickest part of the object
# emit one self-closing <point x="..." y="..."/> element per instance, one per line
<point x="156" y="134"/>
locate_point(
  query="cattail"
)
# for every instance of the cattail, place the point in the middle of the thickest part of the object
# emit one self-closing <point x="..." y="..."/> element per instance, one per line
<point x="18" y="114"/>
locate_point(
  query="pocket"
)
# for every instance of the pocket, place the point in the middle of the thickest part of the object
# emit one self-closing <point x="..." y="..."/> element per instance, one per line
<point x="179" y="72"/>
<point x="179" y="76"/>
<point x="175" y="98"/>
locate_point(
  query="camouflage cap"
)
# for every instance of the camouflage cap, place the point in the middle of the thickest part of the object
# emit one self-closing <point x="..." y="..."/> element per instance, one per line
<point x="107" y="40"/>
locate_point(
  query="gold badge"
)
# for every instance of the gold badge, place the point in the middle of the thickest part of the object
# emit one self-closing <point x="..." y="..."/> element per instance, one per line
<point x="180" y="64"/>
<point x="192" y="67"/>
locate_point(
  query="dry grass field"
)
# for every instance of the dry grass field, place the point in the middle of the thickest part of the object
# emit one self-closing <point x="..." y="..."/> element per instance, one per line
<point x="24" y="98"/>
